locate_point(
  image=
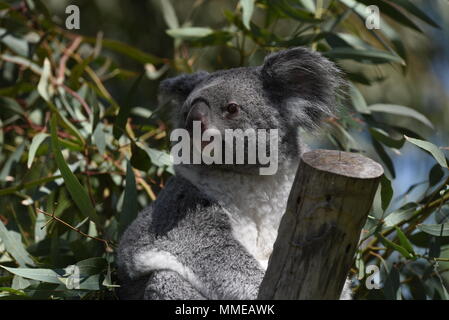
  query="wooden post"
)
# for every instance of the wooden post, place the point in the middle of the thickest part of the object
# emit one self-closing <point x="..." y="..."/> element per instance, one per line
<point x="319" y="232"/>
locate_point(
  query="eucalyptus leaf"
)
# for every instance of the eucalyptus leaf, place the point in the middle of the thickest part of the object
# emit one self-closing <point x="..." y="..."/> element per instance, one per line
<point x="365" y="56"/>
<point x="44" y="86"/>
<point x="382" y="136"/>
<point x="76" y="190"/>
<point x="435" y="175"/>
<point x="400" y="215"/>
<point x="247" y="9"/>
<point x="405" y="243"/>
<point x="358" y="101"/>
<point x="35" y="143"/>
<point x="169" y="14"/>
<point x="402" y="111"/>
<point x="189" y="33"/>
<point x="439" y="230"/>
<point x="390" y="244"/>
<point x="13" y="159"/>
<point x="82" y="276"/>
<point x="18" y="45"/>
<point x="99" y="138"/>
<point x="431" y="148"/>
<point x="14" y="247"/>
<point x="386" y="192"/>
<point x="126" y="50"/>
<point x="129" y="210"/>
<point x="416" y="11"/>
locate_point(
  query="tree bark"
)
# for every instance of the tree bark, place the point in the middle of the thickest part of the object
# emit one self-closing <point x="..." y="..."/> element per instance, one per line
<point x="329" y="202"/>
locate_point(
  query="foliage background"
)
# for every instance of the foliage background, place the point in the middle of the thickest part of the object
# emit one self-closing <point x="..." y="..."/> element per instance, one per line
<point x="84" y="145"/>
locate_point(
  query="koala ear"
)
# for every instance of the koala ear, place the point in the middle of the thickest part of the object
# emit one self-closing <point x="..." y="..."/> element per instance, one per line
<point x="304" y="83"/>
<point x="177" y="89"/>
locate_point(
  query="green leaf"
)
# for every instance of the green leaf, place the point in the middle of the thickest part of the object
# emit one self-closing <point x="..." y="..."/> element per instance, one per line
<point x="14" y="246"/>
<point x="76" y="190"/>
<point x="92" y="266"/>
<point x="169" y="14"/>
<point x="216" y="38"/>
<point x="439" y="230"/>
<point x="364" y="56"/>
<point x="431" y="148"/>
<point x="126" y="50"/>
<point x="100" y="138"/>
<point x="400" y="215"/>
<point x="442" y="214"/>
<point x="291" y="9"/>
<point x="35" y="143"/>
<point x="390" y="244"/>
<point x="417" y="12"/>
<point x="189" y="33"/>
<point x="434" y="247"/>
<point x="129" y="211"/>
<point x="386" y="192"/>
<point x="139" y="158"/>
<point x="11" y="104"/>
<point x="402" y="111"/>
<point x="17" y="45"/>
<point x="125" y="108"/>
<point x="422" y="239"/>
<point x="247" y="11"/>
<point x="12" y="160"/>
<point x="344" y="138"/>
<point x="384" y="157"/>
<point x="46" y="92"/>
<point x="358" y="101"/>
<point x="84" y="275"/>
<point x="405" y="243"/>
<point x="159" y="158"/>
<point x="392" y="284"/>
<point x="45" y="275"/>
<point x="309" y="5"/>
<point x="435" y="175"/>
<point x="382" y="136"/>
<point x="44" y="87"/>
<point x="12" y="291"/>
<point x="23" y="62"/>
<point x="392" y="12"/>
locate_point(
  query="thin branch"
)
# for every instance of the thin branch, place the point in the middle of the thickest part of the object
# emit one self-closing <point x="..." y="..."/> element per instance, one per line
<point x="79" y="98"/>
<point x="34" y="68"/>
<point x="63" y="61"/>
<point x="52" y="216"/>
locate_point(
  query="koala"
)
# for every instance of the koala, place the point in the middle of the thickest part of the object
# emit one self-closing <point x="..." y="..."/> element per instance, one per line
<point x="211" y="231"/>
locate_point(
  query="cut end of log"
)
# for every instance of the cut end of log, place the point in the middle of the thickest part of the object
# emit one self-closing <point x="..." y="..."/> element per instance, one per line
<point x="347" y="164"/>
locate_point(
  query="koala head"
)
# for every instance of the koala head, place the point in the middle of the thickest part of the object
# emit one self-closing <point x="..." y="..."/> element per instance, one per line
<point x="293" y="88"/>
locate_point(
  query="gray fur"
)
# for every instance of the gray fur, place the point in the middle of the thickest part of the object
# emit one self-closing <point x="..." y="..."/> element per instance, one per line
<point x="184" y="245"/>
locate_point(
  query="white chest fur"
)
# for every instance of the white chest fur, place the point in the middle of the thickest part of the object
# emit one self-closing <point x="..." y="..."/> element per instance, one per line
<point x="255" y="204"/>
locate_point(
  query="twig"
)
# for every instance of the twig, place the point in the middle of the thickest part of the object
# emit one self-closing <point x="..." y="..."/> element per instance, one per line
<point x="52" y="216"/>
<point x="63" y="61"/>
<point x="420" y="214"/>
<point x="34" y="68"/>
<point x="79" y="98"/>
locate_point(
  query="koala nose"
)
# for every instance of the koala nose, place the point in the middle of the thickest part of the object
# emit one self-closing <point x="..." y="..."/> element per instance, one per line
<point x="198" y="112"/>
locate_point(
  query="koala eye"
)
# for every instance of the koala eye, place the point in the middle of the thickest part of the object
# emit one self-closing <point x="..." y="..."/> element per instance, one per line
<point x="232" y="108"/>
